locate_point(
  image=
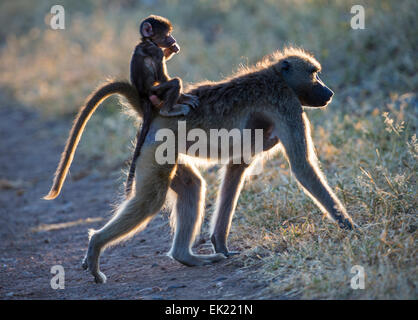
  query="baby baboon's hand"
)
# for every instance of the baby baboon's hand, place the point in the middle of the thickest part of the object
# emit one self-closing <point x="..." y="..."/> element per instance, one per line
<point x="156" y="101"/>
<point x="169" y="52"/>
<point x="190" y="100"/>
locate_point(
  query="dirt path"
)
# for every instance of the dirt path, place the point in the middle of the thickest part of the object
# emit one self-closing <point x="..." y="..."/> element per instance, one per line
<point x="36" y="234"/>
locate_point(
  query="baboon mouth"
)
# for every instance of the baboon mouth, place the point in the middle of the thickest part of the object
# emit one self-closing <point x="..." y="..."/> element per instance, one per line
<point x="321" y="104"/>
<point x="328" y="102"/>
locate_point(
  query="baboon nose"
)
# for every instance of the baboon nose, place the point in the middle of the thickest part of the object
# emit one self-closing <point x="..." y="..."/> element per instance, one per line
<point x="330" y="93"/>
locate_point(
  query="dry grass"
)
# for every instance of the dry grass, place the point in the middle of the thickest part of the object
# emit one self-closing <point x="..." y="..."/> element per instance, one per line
<point x="366" y="139"/>
<point x="374" y="172"/>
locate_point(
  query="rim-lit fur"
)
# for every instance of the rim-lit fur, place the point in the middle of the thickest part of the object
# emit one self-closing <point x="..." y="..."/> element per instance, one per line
<point x="123" y="88"/>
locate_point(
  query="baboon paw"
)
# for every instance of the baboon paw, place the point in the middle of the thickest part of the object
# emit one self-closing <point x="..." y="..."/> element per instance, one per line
<point x="220" y="247"/>
<point x="199" y="260"/>
<point x="178" y="110"/>
<point x="190" y="100"/>
<point x="231" y="253"/>
<point x="100" y="277"/>
<point x="212" y="258"/>
<point x="165" y="113"/>
<point x="84" y="264"/>
<point x="347" y="224"/>
<point x="218" y="257"/>
<point x="194" y="102"/>
<point x="227" y="253"/>
<point x="185" y="111"/>
<point x="190" y="261"/>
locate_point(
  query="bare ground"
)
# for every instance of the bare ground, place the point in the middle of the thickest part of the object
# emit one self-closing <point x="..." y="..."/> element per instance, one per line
<point x="36" y="234"/>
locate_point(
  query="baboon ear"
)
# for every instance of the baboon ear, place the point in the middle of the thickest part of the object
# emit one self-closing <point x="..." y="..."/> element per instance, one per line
<point x="146" y="30"/>
<point x="285" y="65"/>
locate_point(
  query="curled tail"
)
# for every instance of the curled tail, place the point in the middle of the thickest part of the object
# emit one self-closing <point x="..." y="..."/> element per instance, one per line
<point x="123" y="88"/>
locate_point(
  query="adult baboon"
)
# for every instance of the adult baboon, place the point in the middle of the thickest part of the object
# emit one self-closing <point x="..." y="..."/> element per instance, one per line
<point x="268" y="96"/>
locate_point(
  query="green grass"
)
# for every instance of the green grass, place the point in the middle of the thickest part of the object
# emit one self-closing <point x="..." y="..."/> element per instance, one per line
<point x="366" y="139"/>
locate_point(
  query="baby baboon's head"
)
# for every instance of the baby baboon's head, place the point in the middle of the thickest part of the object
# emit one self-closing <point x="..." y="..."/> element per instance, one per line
<point x="300" y="71"/>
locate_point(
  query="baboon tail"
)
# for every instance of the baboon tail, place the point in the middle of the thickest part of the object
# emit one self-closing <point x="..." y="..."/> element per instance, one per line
<point x="123" y="88"/>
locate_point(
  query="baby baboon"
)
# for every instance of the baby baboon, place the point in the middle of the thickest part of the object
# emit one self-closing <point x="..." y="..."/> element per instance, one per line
<point x="270" y="96"/>
<point x="150" y="78"/>
<point x="149" y="72"/>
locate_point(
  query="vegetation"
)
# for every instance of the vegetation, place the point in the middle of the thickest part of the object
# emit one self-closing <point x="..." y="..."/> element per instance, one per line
<point x="366" y="139"/>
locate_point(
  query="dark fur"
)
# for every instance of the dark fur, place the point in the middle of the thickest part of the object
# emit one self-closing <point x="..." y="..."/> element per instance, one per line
<point x="149" y="76"/>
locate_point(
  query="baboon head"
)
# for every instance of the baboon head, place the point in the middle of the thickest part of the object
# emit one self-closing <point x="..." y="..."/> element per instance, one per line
<point x="301" y="71"/>
<point x="158" y="29"/>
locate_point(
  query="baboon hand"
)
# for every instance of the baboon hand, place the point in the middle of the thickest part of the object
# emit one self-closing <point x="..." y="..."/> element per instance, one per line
<point x="190" y="100"/>
<point x="348" y="224"/>
<point x="155" y="100"/>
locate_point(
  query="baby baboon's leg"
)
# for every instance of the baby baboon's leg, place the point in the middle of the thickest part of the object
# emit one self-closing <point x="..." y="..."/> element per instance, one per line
<point x="188" y="216"/>
<point x="304" y="164"/>
<point x="170" y="92"/>
<point x="152" y="183"/>
<point x="232" y="183"/>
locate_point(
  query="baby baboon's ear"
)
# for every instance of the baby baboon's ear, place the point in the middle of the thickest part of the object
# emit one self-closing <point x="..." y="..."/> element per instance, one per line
<point x="146" y="30"/>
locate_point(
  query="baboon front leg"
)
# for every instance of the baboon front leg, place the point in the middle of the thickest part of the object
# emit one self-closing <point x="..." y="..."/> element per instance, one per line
<point x="188" y="215"/>
<point x="152" y="183"/>
<point x="304" y="164"/>
<point x="232" y="183"/>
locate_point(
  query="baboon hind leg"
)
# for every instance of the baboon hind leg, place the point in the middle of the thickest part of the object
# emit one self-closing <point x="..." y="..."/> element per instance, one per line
<point x="232" y="183"/>
<point x="152" y="183"/>
<point x="188" y="215"/>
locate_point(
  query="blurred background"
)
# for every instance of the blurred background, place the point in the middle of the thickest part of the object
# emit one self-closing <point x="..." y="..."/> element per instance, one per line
<point x="366" y="139"/>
